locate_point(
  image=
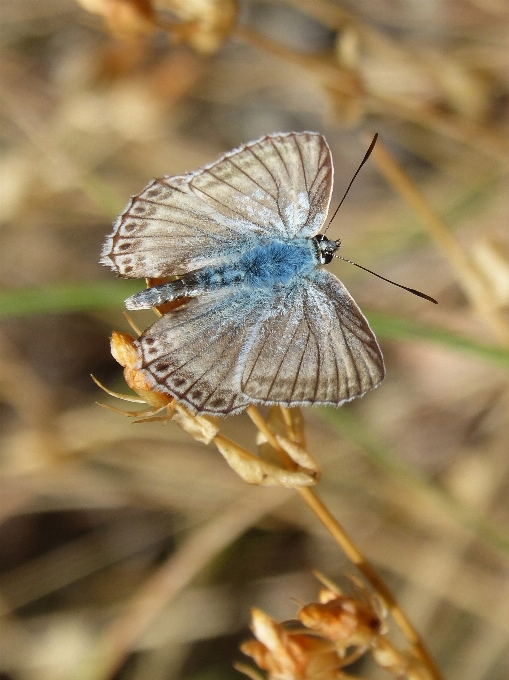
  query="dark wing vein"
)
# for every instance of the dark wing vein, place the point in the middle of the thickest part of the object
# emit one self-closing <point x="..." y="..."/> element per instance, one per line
<point x="282" y="361"/>
<point x="283" y="221"/>
<point x="299" y="366"/>
<point x="201" y="232"/>
<point x="303" y="167"/>
<point x="215" y="200"/>
<point x="274" y="198"/>
<point x="317" y="174"/>
<point x="283" y="161"/>
<point x="170" y="186"/>
<point x="318" y="358"/>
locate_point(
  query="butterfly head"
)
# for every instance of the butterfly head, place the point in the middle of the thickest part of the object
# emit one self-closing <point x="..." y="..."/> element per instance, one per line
<point x="325" y="248"/>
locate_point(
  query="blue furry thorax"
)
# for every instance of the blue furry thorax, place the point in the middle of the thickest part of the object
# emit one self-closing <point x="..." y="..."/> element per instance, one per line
<point x="277" y="262"/>
<point x="265" y="265"/>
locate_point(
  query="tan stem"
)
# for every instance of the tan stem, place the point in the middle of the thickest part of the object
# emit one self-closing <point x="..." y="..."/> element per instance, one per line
<point x="470" y="278"/>
<point x="353" y="553"/>
<point x="260" y="423"/>
<point x="369" y="572"/>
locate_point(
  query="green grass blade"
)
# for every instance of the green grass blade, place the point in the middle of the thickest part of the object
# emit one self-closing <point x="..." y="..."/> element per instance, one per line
<point x="389" y="327"/>
<point x="103" y="295"/>
<point x="68" y="298"/>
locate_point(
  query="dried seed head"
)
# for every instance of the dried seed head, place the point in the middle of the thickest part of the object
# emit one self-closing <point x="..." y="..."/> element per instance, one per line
<point x="344" y="620"/>
<point x="124" y="17"/>
<point x="123" y="350"/>
<point x="287" y="655"/>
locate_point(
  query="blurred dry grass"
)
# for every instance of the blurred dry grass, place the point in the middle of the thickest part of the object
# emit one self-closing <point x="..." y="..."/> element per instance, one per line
<point x="418" y="471"/>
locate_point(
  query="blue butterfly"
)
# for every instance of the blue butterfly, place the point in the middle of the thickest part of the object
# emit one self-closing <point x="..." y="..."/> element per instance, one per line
<point x="265" y="324"/>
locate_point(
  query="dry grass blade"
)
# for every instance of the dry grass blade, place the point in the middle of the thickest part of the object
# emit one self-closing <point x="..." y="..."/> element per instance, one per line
<point x="471" y="278"/>
<point x="119" y="639"/>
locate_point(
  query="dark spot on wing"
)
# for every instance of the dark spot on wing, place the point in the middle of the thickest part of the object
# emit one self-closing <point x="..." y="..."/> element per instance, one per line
<point x="153" y="193"/>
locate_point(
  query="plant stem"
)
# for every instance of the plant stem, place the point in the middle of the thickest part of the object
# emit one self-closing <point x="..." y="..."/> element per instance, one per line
<point x="471" y="279"/>
<point x="352" y="552"/>
<point x="366" y="568"/>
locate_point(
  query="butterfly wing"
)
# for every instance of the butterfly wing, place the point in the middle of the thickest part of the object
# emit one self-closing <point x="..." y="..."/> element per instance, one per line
<point x="276" y="187"/>
<point x="195" y="352"/>
<point x="316" y="347"/>
<point x="296" y="345"/>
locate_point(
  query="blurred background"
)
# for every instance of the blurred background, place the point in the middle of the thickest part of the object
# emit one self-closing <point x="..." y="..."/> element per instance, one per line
<point x="99" y="96"/>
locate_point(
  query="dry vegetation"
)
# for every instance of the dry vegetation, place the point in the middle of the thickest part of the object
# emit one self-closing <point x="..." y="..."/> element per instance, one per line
<point x="132" y="551"/>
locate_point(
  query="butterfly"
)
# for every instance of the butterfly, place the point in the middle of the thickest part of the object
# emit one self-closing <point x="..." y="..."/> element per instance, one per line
<point x="264" y="323"/>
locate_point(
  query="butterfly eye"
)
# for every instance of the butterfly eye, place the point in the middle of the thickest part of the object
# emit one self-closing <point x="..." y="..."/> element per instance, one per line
<point x="325" y="248"/>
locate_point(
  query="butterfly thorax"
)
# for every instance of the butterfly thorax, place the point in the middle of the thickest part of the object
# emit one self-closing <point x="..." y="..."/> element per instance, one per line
<point x="276" y="262"/>
<point x="269" y="264"/>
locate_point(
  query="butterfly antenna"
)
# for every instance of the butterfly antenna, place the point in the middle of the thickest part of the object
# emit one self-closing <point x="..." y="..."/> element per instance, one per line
<point x="410" y="290"/>
<point x="366" y="156"/>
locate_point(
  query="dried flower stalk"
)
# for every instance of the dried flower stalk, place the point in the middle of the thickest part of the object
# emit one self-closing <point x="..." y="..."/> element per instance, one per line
<point x="296" y="469"/>
<point x="337" y="630"/>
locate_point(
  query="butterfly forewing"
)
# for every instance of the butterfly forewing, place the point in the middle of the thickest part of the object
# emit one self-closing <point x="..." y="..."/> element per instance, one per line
<point x="279" y="186"/>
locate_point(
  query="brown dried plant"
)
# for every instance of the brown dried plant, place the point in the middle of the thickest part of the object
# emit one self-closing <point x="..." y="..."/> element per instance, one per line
<point x="202" y="24"/>
<point x="344" y="621"/>
<point x="89" y="115"/>
<point x="337" y="631"/>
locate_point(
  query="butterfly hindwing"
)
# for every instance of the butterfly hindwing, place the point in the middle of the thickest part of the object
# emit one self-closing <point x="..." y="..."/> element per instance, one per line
<point x="194" y="353"/>
<point x="316" y="347"/>
<point x="299" y="345"/>
<point x="276" y="187"/>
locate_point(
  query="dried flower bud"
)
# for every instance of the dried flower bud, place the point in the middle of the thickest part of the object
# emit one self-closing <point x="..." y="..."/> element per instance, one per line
<point x="124" y="17"/>
<point x="286" y="655"/>
<point x="344" y="620"/>
<point x="124" y="351"/>
<point x="400" y="664"/>
<point x="299" y="455"/>
<point x="254" y="470"/>
<point x="201" y="428"/>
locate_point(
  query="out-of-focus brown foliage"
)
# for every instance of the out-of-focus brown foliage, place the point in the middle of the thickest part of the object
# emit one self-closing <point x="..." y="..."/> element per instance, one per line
<point x="124" y="18"/>
<point x="204" y="24"/>
<point x="109" y="527"/>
